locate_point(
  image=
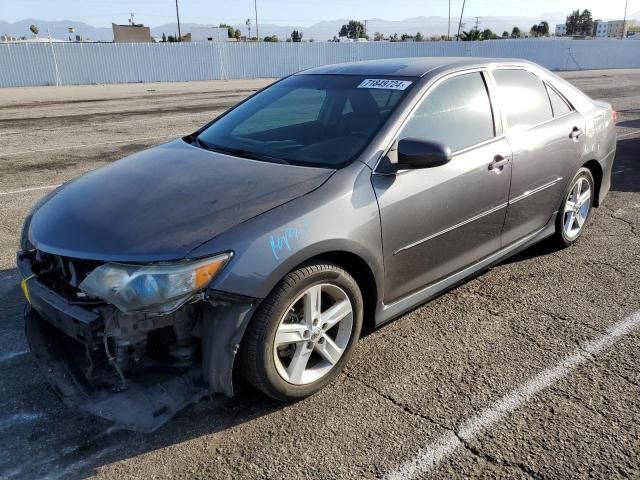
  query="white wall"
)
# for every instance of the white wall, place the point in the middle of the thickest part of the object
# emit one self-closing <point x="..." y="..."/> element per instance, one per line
<point x="89" y="63"/>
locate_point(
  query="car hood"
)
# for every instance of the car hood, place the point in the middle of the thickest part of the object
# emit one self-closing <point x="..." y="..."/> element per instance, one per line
<point x="161" y="203"/>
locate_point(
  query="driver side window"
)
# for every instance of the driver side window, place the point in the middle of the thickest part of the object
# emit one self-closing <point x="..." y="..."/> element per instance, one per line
<point x="457" y="112"/>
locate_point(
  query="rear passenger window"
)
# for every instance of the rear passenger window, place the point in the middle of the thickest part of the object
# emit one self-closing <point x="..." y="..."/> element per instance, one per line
<point x="558" y="103"/>
<point x="523" y="97"/>
<point x="457" y="113"/>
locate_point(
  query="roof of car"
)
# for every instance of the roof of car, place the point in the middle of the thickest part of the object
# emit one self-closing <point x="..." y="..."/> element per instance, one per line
<point x="406" y="67"/>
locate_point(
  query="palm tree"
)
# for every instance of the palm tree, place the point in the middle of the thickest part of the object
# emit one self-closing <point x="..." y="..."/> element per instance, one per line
<point x="34" y="29"/>
<point x="470" y="36"/>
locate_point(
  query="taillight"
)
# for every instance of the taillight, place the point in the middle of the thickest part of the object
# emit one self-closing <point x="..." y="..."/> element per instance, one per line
<point x="614" y="116"/>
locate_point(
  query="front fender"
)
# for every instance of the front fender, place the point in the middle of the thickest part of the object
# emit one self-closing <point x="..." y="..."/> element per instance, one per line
<point x="342" y="215"/>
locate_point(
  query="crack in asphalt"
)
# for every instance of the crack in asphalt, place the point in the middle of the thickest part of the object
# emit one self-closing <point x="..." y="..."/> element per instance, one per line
<point x="499" y="462"/>
<point x="630" y="224"/>
<point x="401" y="405"/>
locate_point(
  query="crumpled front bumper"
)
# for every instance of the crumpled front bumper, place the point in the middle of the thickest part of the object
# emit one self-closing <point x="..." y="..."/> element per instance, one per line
<point x="144" y="404"/>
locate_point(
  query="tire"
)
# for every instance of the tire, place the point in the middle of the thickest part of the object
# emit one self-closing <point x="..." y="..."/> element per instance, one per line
<point x="270" y="368"/>
<point x="565" y="236"/>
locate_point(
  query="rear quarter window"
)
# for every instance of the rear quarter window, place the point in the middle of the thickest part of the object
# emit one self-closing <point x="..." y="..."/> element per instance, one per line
<point x="558" y="104"/>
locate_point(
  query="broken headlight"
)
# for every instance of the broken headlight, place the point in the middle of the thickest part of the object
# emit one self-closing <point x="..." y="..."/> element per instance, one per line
<point x="152" y="288"/>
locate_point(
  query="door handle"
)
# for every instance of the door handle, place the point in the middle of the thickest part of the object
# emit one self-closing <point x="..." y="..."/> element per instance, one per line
<point x="498" y="164"/>
<point x="575" y="133"/>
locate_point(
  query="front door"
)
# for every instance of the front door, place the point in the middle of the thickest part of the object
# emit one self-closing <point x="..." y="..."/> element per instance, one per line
<point x="436" y="221"/>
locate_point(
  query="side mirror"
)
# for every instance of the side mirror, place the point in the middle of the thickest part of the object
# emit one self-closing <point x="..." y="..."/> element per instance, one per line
<point x="414" y="153"/>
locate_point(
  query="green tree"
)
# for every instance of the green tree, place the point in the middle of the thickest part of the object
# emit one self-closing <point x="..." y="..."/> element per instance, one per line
<point x="487" y="34"/>
<point x="164" y="37"/>
<point x="543" y="28"/>
<point x="470" y="36"/>
<point x="419" y="37"/>
<point x="272" y="38"/>
<point x="230" y="30"/>
<point x="534" y="31"/>
<point x="354" y="30"/>
<point x="34" y="29"/>
<point x="378" y="36"/>
<point x="505" y="34"/>
<point x="515" y="32"/>
<point x="394" y="38"/>
<point x="579" y="23"/>
<point x="296" y="36"/>
<point x="406" y="37"/>
<point x="586" y="22"/>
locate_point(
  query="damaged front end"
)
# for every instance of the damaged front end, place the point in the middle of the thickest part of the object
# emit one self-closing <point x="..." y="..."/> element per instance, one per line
<point x="136" y="368"/>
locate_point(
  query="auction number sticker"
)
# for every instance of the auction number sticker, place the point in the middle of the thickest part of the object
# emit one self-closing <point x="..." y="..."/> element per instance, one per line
<point x="384" y="83"/>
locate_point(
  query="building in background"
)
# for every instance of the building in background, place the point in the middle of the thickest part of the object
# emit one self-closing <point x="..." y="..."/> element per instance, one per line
<point x="561" y="30"/>
<point x="600" y="29"/>
<point x="132" y="33"/>
<point x="619" y="28"/>
<point x="210" y="34"/>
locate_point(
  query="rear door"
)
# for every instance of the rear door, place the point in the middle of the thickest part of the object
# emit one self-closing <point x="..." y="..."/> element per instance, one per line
<point x="546" y="136"/>
<point x="436" y="221"/>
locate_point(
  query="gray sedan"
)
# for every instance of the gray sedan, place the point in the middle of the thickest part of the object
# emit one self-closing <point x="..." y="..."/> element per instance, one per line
<point x="261" y="244"/>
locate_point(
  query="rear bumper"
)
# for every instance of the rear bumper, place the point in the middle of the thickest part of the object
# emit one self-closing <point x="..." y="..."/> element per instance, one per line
<point x="66" y="339"/>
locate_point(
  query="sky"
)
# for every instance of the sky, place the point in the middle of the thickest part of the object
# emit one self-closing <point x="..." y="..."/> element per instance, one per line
<point x="101" y="13"/>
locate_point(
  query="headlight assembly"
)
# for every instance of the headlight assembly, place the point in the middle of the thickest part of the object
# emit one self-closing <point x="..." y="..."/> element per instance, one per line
<point x="152" y="288"/>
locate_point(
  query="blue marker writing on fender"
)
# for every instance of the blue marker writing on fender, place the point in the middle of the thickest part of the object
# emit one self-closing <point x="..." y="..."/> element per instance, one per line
<point x="285" y="240"/>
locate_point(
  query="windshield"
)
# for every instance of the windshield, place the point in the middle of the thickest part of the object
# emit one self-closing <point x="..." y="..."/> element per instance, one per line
<point x="315" y="120"/>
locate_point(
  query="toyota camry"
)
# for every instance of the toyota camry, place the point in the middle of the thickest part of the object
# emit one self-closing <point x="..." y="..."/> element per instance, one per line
<point x="260" y="245"/>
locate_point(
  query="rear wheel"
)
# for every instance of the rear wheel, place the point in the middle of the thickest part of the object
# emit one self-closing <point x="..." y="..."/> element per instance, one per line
<point x="304" y="332"/>
<point x="576" y="208"/>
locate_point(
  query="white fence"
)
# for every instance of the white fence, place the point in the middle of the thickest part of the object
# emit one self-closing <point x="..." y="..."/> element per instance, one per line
<point x="95" y="63"/>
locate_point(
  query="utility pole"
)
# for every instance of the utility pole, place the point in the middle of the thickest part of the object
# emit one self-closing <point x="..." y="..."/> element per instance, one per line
<point x="449" y="23"/>
<point x="365" y="26"/>
<point x="624" y="22"/>
<point x="460" y="22"/>
<point x="477" y="27"/>
<point x="178" y="17"/>
<point x="255" y="6"/>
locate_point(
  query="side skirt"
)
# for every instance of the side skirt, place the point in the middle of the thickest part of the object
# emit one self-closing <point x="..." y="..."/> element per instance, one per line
<point x="385" y="313"/>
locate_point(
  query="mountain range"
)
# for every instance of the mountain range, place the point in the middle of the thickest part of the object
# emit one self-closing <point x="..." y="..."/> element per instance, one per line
<point x="320" y="31"/>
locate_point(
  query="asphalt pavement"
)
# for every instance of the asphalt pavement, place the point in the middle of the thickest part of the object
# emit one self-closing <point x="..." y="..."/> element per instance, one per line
<point x="529" y="370"/>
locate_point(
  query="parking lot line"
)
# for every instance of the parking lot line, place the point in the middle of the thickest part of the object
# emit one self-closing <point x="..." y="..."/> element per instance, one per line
<point x="30" y="189"/>
<point x="88" y="145"/>
<point x="17" y="418"/>
<point x="431" y="455"/>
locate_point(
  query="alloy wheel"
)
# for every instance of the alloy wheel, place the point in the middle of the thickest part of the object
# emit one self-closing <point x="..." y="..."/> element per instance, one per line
<point x="313" y="334"/>
<point x="576" y="208"/>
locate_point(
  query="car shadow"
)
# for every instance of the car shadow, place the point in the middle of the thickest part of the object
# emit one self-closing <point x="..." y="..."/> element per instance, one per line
<point x="626" y="174"/>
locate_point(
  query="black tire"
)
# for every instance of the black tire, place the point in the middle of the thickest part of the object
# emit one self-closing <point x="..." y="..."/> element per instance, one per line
<point x="257" y="364"/>
<point x="560" y="237"/>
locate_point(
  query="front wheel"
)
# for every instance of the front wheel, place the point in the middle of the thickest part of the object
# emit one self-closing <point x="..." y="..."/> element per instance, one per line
<point x="303" y="333"/>
<point x="576" y="208"/>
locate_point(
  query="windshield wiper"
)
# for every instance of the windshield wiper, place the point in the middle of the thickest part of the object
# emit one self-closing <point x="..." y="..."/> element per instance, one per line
<point x="239" y="152"/>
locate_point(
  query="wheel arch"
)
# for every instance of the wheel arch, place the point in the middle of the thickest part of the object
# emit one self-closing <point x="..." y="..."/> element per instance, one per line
<point x="360" y="270"/>
<point x="596" y="170"/>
